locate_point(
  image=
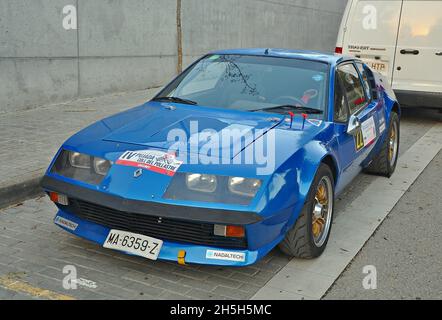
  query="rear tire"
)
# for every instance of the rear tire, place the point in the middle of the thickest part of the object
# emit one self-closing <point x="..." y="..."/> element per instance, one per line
<point x="384" y="163"/>
<point x="300" y="241"/>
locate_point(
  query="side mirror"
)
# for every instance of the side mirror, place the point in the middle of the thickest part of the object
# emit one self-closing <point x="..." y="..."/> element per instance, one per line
<point x="353" y="125"/>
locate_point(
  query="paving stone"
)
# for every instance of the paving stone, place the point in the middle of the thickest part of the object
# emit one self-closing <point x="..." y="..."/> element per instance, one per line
<point x="199" y="284"/>
<point x="8" y="259"/>
<point x="239" y="277"/>
<point x="167" y="295"/>
<point x="8" y="241"/>
<point x="229" y="292"/>
<point x="177" y="287"/>
<point x="231" y="283"/>
<point x="205" y="295"/>
<point x="146" y="290"/>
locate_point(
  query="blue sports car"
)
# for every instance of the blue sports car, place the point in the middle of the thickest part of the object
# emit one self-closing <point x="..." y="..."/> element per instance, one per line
<point x="243" y="151"/>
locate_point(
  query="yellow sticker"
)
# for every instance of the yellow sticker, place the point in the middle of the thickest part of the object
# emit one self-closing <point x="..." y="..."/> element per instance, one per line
<point x="359" y="140"/>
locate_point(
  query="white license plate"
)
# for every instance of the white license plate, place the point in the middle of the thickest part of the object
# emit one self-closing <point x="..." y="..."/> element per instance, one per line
<point x="134" y="243"/>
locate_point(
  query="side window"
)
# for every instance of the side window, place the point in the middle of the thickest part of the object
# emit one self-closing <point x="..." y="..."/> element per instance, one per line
<point x="340" y="109"/>
<point x="353" y="87"/>
<point x="365" y="80"/>
<point x="371" y="82"/>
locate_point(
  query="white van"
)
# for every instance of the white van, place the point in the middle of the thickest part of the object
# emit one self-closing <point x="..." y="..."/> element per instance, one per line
<point x="402" y="39"/>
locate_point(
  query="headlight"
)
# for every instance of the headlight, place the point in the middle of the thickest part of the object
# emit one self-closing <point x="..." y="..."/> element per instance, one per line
<point x="212" y="188"/>
<point x="79" y="160"/>
<point x="201" y="182"/>
<point x="244" y="186"/>
<point x="101" y="166"/>
<point x="80" y="166"/>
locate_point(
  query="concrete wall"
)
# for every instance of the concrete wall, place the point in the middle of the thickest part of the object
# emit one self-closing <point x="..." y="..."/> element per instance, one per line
<point x="123" y="45"/>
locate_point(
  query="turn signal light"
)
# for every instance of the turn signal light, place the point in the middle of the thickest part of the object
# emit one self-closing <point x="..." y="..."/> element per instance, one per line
<point x="229" y="231"/>
<point x="235" y="231"/>
<point x="59" y="198"/>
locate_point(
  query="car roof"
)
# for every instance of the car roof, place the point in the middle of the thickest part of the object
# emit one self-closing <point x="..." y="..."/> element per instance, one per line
<point x="326" y="57"/>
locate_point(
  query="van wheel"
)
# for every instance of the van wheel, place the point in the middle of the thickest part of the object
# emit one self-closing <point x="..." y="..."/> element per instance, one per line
<point x="385" y="162"/>
<point x="309" y="236"/>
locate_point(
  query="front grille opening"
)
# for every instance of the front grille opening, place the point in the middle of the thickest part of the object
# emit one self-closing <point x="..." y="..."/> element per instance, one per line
<point x="166" y="229"/>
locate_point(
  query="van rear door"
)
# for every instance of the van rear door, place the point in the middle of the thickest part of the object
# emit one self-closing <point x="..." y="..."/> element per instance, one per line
<point x="371" y="33"/>
<point x="418" y="65"/>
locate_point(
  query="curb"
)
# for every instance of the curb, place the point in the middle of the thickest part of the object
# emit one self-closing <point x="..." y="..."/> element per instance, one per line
<point x="19" y="192"/>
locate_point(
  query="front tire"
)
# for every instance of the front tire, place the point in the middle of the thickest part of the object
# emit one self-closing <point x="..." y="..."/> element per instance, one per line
<point x="385" y="162"/>
<point x="309" y="236"/>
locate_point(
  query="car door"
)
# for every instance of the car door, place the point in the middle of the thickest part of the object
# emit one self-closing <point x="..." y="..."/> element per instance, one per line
<point x="373" y="100"/>
<point x="354" y="147"/>
<point x="418" y="61"/>
<point x="346" y="143"/>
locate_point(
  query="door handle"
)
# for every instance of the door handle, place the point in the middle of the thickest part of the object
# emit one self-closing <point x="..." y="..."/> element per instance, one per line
<point x="410" y="51"/>
<point x="439" y="53"/>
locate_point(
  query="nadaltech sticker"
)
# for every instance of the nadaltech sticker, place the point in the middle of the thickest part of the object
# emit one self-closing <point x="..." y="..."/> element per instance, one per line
<point x="226" y="255"/>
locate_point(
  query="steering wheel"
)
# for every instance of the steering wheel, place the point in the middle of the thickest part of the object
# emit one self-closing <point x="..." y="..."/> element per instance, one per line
<point x="286" y="98"/>
<point x="311" y="93"/>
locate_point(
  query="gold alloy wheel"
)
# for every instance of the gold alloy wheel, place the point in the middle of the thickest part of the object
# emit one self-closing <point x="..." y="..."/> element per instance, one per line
<point x="392" y="144"/>
<point x="318" y="222"/>
<point x="322" y="211"/>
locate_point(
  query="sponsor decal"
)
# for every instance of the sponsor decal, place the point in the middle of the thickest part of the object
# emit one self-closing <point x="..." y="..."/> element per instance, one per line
<point x="152" y="160"/>
<point x="66" y="223"/>
<point x="368" y="131"/>
<point x="359" y="140"/>
<point x="381" y="123"/>
<point x="314" y="122"/>
<point x="382" y="128"/>
<point x="366" y="134"/>
<point x="226" y="255"/>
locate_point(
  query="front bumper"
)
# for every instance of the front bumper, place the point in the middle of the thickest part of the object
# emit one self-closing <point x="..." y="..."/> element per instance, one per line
<point x="169" y="251"/>
<point x="97" y="232"/>
<point x="217" y="216"/>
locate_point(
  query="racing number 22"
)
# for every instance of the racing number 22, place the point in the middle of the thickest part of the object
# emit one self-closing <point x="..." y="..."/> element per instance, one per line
<point x="359" y="140"/>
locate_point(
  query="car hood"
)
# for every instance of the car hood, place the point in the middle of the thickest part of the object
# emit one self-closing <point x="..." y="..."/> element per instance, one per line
<point x="194" y="126"/>
<point x="148" y="126"/>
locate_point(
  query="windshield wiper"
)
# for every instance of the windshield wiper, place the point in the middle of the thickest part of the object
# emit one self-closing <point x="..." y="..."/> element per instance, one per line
<point x="175" y="99"/>
<point x="291" y="107"/>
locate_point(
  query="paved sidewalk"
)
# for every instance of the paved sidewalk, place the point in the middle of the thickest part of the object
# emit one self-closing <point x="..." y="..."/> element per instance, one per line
<point x="29" y="139"/>
<point x="405" y="249"/>
<point x="353" y="226"/>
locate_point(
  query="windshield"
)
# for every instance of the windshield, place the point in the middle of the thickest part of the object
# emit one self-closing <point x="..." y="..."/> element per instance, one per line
<point x="252" y="83"/>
